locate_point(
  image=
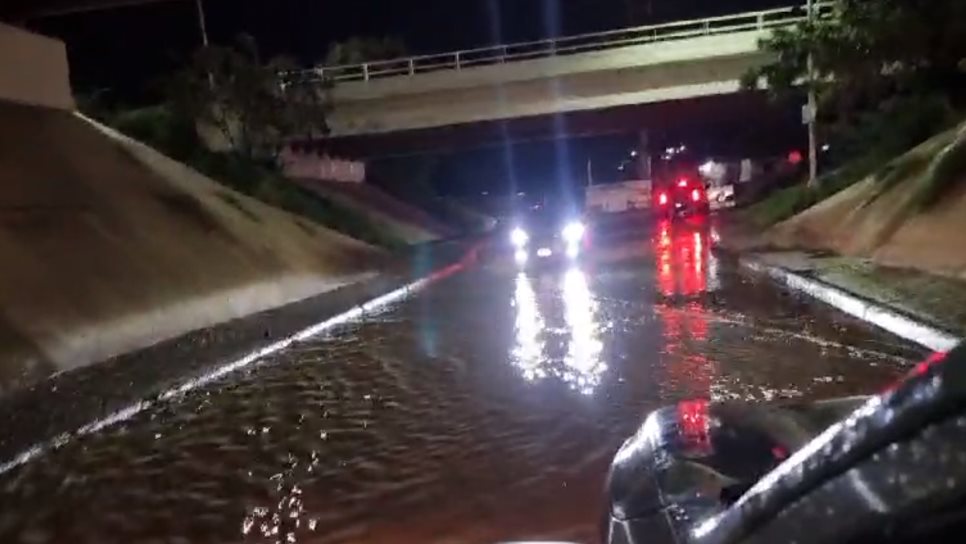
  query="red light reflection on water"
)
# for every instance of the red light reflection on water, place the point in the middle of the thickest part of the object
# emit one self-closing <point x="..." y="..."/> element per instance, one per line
<point x="683" y="262"/>
<point x="690" y="373"/>
<point x="683" y="258"/>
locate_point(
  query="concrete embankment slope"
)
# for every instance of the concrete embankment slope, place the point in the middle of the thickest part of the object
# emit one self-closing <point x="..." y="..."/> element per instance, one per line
<point x="880" y="221"/>
<point x="411" y="224"/>
<point x="108" y="246"/>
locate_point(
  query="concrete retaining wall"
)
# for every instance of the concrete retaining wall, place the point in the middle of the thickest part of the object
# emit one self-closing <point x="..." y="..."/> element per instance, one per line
<point x="33" y="69"/>
<point x="109" y="246"/>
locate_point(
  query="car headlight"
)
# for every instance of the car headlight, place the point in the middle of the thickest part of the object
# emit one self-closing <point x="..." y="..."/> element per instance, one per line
<point x="574" y="232"/>
<point x="519" y="237"/>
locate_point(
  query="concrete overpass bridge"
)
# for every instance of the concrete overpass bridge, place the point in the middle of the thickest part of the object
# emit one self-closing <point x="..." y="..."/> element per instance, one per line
<point x="735" y="121"/>
<point x="632" y="66"/>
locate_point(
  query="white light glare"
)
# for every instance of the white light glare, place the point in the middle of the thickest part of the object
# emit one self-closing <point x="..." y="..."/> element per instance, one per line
<point x="574" y="232"/>
<point x="519" y="237"/>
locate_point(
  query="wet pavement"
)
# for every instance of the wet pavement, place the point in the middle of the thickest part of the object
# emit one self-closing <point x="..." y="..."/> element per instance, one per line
<point x="484" y="408"/>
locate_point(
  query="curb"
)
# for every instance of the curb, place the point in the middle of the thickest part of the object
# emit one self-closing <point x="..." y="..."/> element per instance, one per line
<point x="43" y="428"/>
<point x="885" y="317"/>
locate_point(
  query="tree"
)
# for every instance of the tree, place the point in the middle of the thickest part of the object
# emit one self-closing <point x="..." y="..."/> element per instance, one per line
<point x="888" y="73"/>
<point x="358" y="50"/>
<point x="868" y="51"/>
<point x="255" y="106"/>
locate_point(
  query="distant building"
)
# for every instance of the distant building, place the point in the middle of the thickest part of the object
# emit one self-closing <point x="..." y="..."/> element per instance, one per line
<point x="619" y="197"/>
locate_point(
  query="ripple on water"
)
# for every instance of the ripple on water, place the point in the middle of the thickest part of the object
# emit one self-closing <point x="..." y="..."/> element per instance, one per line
<point x="510" y="393"/>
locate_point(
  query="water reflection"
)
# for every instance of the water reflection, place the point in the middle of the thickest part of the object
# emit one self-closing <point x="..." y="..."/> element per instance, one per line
<point x="583" y="352"/>
<point x="528" y="348"/>
<point x="689" y="372"/>
<point x="685" y="267"/>
<point x="579" y="365"/>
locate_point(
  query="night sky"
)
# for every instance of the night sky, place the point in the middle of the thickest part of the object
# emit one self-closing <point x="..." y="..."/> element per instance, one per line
<point x="125" y="50"/>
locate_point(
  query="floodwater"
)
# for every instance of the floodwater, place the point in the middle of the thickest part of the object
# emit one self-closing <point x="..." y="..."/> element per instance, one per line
<point x="485" y="408"/>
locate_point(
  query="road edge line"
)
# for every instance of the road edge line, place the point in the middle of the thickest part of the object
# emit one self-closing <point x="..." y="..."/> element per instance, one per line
<point x="191" y="383"/>
<point x="885" y="317"/>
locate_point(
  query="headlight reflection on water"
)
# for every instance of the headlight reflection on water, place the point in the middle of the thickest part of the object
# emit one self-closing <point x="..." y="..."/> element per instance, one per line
<point x="583" y="353"/>
<point x="528" y="351"/>
<point x="580" y="365"/>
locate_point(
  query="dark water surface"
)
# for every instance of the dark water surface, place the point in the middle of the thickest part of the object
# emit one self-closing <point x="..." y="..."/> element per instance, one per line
<point x="485" y="408"/>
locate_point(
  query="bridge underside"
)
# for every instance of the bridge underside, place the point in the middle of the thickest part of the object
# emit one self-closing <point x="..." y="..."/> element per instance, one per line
<point x="735" y="121"/>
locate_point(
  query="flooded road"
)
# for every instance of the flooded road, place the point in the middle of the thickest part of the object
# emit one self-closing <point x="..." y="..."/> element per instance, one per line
<point x="485" y="408"/>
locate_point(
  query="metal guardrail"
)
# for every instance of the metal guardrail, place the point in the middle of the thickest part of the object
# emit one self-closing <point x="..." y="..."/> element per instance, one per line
<point x="569" y="45"/>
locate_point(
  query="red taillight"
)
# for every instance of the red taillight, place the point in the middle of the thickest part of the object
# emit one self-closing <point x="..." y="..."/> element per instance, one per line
<point x="695" y="195"/>
<point x="662" y="199"/>
<point x="683" y="182"/>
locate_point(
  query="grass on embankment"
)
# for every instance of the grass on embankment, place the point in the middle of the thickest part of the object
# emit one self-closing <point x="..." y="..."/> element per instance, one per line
<point x="947" y="168"/>
<point x="938" y="164"/>
<point x="157" y="127"/>
<point x="787" y="202"/>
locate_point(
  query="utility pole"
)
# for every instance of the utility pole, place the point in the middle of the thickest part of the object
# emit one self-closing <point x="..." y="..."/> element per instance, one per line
<point x="812" y="108"/>
<point x="201" y="23"/>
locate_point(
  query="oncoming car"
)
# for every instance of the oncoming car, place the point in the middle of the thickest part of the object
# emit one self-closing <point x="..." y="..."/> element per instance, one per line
<point x="685" y="196"/>
<point x="547" y="236"/>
